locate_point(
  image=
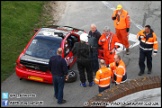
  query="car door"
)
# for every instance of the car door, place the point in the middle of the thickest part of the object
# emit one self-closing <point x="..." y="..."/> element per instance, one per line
<point x="68" y="44"/>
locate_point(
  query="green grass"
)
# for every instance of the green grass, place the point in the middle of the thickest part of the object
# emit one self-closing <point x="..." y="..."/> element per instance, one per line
<point x="18" y="20"/>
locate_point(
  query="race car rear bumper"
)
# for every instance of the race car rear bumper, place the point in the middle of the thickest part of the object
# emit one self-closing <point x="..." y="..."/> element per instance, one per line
<point x="34" y="75"/>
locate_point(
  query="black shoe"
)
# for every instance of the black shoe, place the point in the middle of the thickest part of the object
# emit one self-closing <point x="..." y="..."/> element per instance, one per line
<point x="140" y="73"/>
<point x="149" y="72"/>
<point x="127" y="51"/>
<point x="63" y="101"/>
<point x="55" y="97"/>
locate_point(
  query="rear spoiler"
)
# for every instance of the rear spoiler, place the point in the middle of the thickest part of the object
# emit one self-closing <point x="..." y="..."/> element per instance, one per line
<point x="56" y="26"/>
<point x="74" y="28"/>
<point x="53" y="26"/>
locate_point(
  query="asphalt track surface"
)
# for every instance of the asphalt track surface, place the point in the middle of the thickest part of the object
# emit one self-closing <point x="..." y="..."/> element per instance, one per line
<point x="81" y="14"/>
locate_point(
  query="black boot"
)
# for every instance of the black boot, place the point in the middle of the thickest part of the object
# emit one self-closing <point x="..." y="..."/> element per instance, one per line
<point x="140" y="73"/>
<point x="149" y="71"/>
<point x="127" y="51"/>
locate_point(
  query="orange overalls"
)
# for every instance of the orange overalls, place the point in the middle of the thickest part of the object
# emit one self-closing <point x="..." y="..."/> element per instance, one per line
<point x="121" y="23"/>
<point x="103" y="77"/>
<point x="108" y="46"/>
<point x="119" y="72"/>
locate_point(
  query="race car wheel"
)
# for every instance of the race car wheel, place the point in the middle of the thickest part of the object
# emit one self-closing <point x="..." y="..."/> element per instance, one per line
<point x="72" y="76"/>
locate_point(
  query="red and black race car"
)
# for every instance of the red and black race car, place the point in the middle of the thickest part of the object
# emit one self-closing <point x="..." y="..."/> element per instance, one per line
<point x="32" y="64"/>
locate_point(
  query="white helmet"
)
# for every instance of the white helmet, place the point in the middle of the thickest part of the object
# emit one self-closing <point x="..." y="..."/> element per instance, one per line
<point x="84" y="37"/>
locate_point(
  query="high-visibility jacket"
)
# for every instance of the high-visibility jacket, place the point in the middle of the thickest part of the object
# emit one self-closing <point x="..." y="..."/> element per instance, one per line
<point x="122" y="21"/>
<point x="103" y="77"/>
<point x="119" y="72"/>
<point x="109" y="44"/>
<point x="148" y="42"/>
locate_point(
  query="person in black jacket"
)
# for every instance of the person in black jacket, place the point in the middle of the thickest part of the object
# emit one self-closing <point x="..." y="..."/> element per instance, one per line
<point x="94" y="36"/>
<point x="82" y="50"/>
<point x="59" y="69"/>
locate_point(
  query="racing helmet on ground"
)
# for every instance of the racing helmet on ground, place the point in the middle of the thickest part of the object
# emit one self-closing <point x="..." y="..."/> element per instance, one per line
<point x="120" y="46"/>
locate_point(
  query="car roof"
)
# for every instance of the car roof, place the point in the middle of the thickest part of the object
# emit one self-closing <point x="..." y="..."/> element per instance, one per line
<point x="52" y="32"/>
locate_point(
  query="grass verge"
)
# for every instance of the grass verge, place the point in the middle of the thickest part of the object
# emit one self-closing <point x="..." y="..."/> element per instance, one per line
<point x="18" y="20"/>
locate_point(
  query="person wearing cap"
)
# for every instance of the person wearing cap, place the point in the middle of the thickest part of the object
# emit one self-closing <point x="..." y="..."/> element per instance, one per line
<point x="122" y="24"/>
<point x="107" y="41"/>
<point x="82" y="51"/>
<point x="94" y="36"/>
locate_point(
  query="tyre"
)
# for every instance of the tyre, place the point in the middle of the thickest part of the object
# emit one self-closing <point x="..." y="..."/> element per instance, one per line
<point x="72" y="76"/>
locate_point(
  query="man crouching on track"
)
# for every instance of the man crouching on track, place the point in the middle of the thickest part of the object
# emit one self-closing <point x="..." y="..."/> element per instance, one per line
<point x="119" y="70"/>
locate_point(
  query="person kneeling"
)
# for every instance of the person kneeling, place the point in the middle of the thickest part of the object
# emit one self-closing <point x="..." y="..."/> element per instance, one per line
<point x="119" y="70"/>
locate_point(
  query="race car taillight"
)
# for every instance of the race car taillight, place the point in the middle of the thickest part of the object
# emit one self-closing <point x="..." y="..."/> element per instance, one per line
<point x="20" y="66"/>
<point x="48" y="71"/>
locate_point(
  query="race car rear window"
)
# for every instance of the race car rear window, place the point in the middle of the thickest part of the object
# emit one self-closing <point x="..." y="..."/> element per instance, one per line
<point x="43" y="47"/>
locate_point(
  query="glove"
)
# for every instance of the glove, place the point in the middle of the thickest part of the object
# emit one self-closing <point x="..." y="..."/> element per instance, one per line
<point x="127" y="29"/>
<point x="140" y="37"/>
<point x="154" y="54"/>
<point x="88" y="36"/>
<point x="113" y="18"/>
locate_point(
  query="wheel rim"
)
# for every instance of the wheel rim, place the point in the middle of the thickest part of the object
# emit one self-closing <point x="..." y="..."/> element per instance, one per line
<point x="72" y="73"/>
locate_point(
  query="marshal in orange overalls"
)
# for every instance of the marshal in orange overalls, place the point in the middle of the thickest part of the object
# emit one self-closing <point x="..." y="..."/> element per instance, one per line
<point x="108" y="46"/>
<point x="122" y="25"/>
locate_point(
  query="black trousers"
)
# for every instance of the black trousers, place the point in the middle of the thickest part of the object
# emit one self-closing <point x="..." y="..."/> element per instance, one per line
<point x="101" y="89"/>
<point x="94" y="62"/>
<point x="83" y="65"/>
<point x="145" y="55"/>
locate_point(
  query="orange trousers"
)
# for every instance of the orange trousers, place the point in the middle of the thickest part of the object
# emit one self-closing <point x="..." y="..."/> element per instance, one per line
<point x="109" y="58"/>
<point x="122" y="35"/>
